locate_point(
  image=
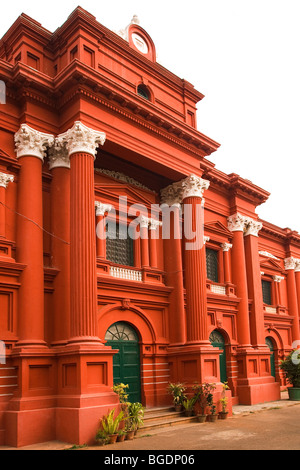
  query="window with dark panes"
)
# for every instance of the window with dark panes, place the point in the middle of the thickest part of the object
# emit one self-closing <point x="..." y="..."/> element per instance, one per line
<point x="267" y="292"/>
<point x="212" y="265"/>
<point x="119" y="245"/>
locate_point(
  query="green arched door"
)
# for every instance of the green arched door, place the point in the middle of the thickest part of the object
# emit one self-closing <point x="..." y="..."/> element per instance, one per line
<point x="126" y="363"/>
<point x="217" y="340"/>
<point x="269" y="343"/>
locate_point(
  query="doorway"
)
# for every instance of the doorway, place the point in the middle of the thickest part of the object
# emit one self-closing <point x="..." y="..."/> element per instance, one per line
<point x="126" y="363"/>
<point x="217" y="341"/>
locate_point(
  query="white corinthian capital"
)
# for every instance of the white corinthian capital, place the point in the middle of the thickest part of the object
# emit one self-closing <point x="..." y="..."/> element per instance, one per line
<point x="82" y="139"/>
<point x="5" y="180"/>
<point x="237" y="222"/>
<point x="289" y="263"/>
<point x="252" y="227"/>
<point x="194" y="186"/>
<point x="59" y="156"/>
<point x="175" y="193"/>
<point x="30" y="142"/>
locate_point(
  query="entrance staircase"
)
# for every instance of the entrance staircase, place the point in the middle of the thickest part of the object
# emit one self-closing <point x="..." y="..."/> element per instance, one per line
<point x="157" y="418"/>
<point x="8" y="383"/>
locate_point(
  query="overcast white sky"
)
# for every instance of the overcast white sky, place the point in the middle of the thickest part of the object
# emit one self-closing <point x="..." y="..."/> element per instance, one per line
<point x="243" y="55"/>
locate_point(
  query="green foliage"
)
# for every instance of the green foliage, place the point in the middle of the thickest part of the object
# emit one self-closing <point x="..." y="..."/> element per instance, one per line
<point x="177" y="390"/>
<point x="110" y="424"/>
<point x="291" y="368"/>
<point x="188" y="404"/>
<point x="204" y="395"/>
<point x="135" y="416"/>
<point x="120" y="389"/>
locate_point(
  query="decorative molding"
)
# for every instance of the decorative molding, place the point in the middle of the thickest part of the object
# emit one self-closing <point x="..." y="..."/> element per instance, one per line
<point x="58" y="155"/>
<point x="123" y="273"/>
<point x="237" y="222"/>
<point x="268" y="255"/>
<point x="30" y="142"/>
<point x="192" y="186"/>
<point x="5" y="179"/>
<point x="226" y="246"/>
<point x="101" y="208"/>
<point x="252" y="227"/>
<point x="205" y="240"/>
<point x="297" y="265"/>
<point x="124" y="178"/>
<point x="278" y="278"/>
<point x="154" y="224"/>
<point x="81" y="139"/>
<point x="289" y="263"/>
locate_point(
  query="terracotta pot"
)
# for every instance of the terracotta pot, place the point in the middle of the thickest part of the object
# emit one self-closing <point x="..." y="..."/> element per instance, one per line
<point x="100" y="442"/>
<point x="121" y="437"/>
<point x="201" y="418"/>
<point x="223" y="414"/>
<point x="212" y="418"/>
<point x="113" y="438"/>
<point x="188" y="412"/>
<point x="130" y="435"/>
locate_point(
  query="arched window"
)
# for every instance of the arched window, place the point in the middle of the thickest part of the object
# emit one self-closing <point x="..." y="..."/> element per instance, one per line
<point x="143" y="91"/>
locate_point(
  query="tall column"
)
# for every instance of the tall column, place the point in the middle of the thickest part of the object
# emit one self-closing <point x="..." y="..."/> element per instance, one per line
<point x="144" y="225"/>
<point x="195" y="260"/>
<point x="236" y="224"/>
<point x="277" y="280"/>
<point x="101" y="210"/>
<point x="5" y="179"/>
<point x="59" y="165"/>
<point x="254" y="282"/>
<point x="290" y="265"/>
<point x="31" y="147"/>
<point x="153" y="231"/>
<point x="227" y="274"/>
<point x="81" y="143"/>
<point x="171" y="214"/>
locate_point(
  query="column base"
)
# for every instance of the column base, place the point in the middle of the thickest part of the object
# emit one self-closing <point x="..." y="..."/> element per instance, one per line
<point x="62" y="394"/>
<point x="255" y="383"/>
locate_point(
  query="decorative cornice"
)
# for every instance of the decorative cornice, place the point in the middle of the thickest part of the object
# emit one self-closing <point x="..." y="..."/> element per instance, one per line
<point x="101" y="208"/>
<point x="192" y="186"/>
<point x="59" y="156"/>
<point x="289" y="263"/>
<point x="5" y="180"/>
<point x="30" y="142"/>
<point x="81" y="139"/>
<point x="123" y="178"/>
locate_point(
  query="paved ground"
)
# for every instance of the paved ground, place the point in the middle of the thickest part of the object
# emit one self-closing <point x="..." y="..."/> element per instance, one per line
<point x="270" y="426"/>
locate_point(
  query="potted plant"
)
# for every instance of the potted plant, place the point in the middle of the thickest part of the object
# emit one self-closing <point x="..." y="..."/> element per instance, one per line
<point x="291" y="368"/>
<point x="110" y="425"/>
<point x="177" y="390"/>
<point x="129" y="430"/>
<point x="136" y="415"/>
<point x="212" y="417"/>
<point x="188" y="405"/>
<point x="224" y="402"/>
<point x="101" y="438"/>
<point x="203" y="394"/>
<point x="121" y="435"/>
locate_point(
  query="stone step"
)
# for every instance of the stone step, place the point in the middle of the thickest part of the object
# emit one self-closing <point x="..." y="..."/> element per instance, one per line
<point x="156" y="418"/>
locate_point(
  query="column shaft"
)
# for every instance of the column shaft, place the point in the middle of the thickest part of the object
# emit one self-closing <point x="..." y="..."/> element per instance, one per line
<point x="83" y="249"/>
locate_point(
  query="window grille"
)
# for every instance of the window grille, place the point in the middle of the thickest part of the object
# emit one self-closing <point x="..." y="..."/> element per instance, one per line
<point x="119" y="245"/>
<point x="267" y="292"/>
<point x="212" y="265"/>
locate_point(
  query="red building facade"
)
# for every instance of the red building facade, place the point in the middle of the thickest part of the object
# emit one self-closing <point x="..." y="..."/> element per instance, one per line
<point x="125" y="255"/>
